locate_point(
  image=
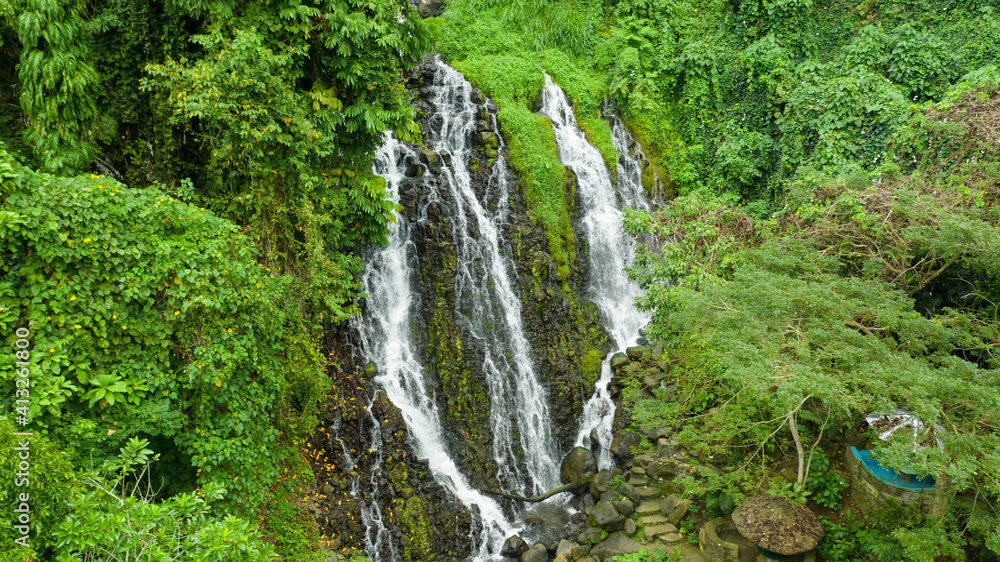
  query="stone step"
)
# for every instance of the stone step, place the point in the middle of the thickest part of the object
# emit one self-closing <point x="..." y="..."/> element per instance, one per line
<point x="655" y="519"/>
<point x="638" y="481"/>
<point x="659" y="530"/>
<point x="648" y="507"/>
<point x="670" y="538"/>
<point x="648" y="492"/>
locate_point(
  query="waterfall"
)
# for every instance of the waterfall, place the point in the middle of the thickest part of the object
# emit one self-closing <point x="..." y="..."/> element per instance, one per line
<point x="379" y="545"/>
<point x="630" y="190"/>
<point x="610" y="251"/>
<point x="485" y="296"/>
<point x="386" y="340"/>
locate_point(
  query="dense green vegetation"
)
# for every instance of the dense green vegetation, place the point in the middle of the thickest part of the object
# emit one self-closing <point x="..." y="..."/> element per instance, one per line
<point x="838" y="255"/>
<point x="186" y="185"/>
<point x="176" y="302"/>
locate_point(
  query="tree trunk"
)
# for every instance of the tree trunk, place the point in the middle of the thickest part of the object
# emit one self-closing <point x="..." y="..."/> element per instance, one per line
<point x="543" y="497"/>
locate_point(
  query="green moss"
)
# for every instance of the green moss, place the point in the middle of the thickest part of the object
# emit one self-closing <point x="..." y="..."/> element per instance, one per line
<point x="586" y="91"/>
<point x="590" y="367"/>
<point x="411" y="513"/>
<point x="514" y="83"/>
<point x="661" y="142"/>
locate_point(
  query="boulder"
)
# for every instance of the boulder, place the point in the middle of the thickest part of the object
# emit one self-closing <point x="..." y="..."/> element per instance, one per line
<point x="513" y="547"/>
<point x="778" y="525"/>
<point x="662" y="469"/>
<point x="601" y="482"/>
<point x="674" y="508"/>
<point x="430" y="8"/>
<point x="590" y="536"/>
<point x="623" y="443"/>
<point x="432" y="160"/>
<point x="626" y="507"/>
<point x="630" y="492"/>
<point x="650" y="383"/>
<point x="612" y="497"/>
<point x="485" y="138"/>
<point x="578" y="465"/>
<point x="567" y="551"/>
<point x="619" y="360"/>
<point x="617" y="544"/>
<point x="605" y="516"/>
<point x="630" y="527"/>
<point x="537" y="553"/>
<point x="635" y="352"/>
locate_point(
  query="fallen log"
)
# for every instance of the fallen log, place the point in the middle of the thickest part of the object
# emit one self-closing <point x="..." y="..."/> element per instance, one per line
<point x="564" y="488"/>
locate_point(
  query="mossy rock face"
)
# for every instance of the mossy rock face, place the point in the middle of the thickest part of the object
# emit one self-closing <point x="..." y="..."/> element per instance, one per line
<point x="345" y="425"/>
<point x="567" y="339"/>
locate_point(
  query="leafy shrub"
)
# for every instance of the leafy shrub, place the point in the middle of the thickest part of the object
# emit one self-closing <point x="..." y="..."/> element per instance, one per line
<point x="150" y="317"/>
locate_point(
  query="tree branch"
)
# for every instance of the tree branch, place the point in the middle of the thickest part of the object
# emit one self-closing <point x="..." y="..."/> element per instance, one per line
<point x="564" y="488"/>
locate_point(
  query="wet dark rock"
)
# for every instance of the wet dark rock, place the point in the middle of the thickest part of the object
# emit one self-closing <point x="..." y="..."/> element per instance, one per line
<point x="412" y="169"/>
<point x="485" y="138"/>
<point x="619" y="360"/>
<point x="432" y="160"/>
<point x="578" y="465"/>
<point x="533" y="521"/>
<point x="513" y="547"/>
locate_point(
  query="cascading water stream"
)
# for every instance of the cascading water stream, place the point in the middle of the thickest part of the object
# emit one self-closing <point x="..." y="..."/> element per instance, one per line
<point x="485" y="297"/>
<point x="610" y="251"/>
<point x="630" y="190"/>
<point x="386" y="340"/>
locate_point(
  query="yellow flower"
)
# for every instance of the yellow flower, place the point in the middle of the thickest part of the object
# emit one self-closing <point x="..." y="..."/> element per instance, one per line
<point x="86" y="240"/>
<point x="52" y="350"/>
<point x="77" y="326"/>
<point x="176" y="312"/>
<point x="123" y="327"/>
<point x="114" y="317"/>
<point x="72" y="298"/>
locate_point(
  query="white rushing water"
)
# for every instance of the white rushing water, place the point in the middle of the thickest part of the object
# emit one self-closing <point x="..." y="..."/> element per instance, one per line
<point x="386" y="340"/>
<point x="486" y="299"/>
<point x="630" y="190"/>
<point x="610" y="251"/>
